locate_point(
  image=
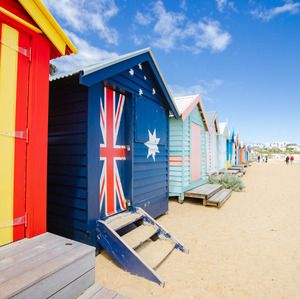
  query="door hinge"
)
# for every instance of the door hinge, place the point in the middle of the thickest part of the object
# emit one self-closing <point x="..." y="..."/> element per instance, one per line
<point x="24" y="135"/>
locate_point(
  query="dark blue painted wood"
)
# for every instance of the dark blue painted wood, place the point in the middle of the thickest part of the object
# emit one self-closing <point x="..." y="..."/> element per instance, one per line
<point x="74" y="138"/>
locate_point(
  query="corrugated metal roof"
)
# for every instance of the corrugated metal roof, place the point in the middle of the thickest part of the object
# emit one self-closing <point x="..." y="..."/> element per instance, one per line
<point x="101" y="65"/>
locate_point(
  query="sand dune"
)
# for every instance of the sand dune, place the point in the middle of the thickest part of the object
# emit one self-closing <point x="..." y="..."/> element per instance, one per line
<point x="250" y="248"/>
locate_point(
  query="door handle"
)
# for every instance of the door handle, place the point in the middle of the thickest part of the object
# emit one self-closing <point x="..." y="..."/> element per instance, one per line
<point x="128" y="148"/>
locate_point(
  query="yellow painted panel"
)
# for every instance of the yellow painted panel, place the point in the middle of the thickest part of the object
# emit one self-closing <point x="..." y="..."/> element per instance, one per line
<point x="8" y="87"/>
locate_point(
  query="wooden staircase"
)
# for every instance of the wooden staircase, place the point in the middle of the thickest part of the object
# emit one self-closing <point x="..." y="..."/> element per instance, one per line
<point x="211" y="194"/>
<point x="137" y="242"/>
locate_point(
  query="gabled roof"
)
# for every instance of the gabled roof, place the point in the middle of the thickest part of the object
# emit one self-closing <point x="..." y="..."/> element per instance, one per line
<point x="224" y="129"/>
<point x="98" y="72"/>
<point x="46" y="22"/>
<point x="186" y="104"/>
<point x="212" y="118"/>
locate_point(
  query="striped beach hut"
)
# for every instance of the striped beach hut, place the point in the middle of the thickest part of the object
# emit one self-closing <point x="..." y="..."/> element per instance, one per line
<point x="188" y="164"/>
<point x="212" y="142"/>
<point x="228" y="150"/>
<point x="29" y="38"/>
<point x="108" y="160"/>
<point x="223" y="144"/>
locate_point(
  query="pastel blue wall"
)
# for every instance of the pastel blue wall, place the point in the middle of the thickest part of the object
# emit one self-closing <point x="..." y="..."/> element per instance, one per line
<point x="180" y="146"/>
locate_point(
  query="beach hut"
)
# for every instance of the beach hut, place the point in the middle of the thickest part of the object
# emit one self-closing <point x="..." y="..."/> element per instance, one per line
<point x="222" y="143"/>
<point x="108" y="160"/>
<point x="237" y="150"/>
<point x="241" y="153"/>
<point x="212" y="142"/>
<point x="232" y="149"/>
<point x="187" y="146"/>
<point x="29" y="38"/>
<point x="228" y="150"/>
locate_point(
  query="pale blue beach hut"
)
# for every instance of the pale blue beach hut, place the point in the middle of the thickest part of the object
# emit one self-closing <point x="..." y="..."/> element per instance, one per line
<point x="187" y="156"/>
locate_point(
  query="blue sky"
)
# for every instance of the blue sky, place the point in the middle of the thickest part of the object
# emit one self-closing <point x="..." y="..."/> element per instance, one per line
<point x="243" y="57"/>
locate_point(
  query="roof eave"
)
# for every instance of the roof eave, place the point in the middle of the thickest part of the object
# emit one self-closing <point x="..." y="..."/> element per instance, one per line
<point x="44" y="19"/>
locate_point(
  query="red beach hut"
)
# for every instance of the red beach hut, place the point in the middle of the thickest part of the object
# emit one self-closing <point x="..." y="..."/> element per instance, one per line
<point x="29" y="38"/>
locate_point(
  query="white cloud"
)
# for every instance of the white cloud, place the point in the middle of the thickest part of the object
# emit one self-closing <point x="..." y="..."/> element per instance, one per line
<point x="209" y="35"/>
<point x="87" y="55"/>
<point x="143" y="19"/>
<point x="183" y="5"/>
<point x="266" y="15"/>
<point x="168" y="27"/>
<point x="222" y="4"/>
<point x="173" y="30"/>
<point x="87" y="15"/>
<point x="204" y="88"/>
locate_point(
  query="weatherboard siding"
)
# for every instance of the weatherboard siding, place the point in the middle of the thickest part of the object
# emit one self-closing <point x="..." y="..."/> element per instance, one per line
<point x="150" y="183"/>
<point x="67" y="160"/>
<point x="222" y="143"/>
<point x="180" y="146"/>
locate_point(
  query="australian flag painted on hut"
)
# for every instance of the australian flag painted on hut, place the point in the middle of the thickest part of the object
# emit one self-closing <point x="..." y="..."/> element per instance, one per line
<point x="108" y="143"/>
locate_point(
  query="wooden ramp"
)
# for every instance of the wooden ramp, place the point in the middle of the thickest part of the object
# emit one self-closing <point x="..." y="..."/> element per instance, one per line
<point x="211" y="194"/>
<point x="240" y="168"/>
<point x="204" y="191"/>
<point x="47" y="266"/>
<point x="96" y="291"/>
<point x="219" y="198"/>
<point x="137" y="242"/>
<point x="233" y="172"/>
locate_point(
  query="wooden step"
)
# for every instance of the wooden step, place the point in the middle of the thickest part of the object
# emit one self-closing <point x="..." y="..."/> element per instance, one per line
<point x="97" y="291"/>
<point x="138" y="236"/>
<point x="219" y="198"/>
<point x="153" y="253"/>
<point x="204" y="191"/>
<point x="121" y="220"/>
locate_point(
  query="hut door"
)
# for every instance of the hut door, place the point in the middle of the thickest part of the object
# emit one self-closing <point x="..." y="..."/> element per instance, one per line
<point x="115" y="152"/>
<point x="14" y="71"/>
<point x="195" y="152"/>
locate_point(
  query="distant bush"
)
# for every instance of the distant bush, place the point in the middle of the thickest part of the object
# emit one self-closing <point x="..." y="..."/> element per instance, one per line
<point x="228" y="181"/>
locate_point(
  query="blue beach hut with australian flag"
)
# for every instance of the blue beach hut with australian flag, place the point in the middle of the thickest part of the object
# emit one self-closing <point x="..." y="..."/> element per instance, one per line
<point x="108" y="160"/>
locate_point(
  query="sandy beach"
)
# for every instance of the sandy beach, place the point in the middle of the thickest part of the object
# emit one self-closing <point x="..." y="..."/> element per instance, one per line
<point x="250" y="248"/>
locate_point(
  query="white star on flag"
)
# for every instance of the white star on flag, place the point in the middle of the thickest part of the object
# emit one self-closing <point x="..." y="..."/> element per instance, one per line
<point x="152" y="144"/>
<point x="131" y="72"/>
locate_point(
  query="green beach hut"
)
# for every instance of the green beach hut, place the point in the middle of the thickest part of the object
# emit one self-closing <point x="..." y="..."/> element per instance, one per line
<point x="187" y="156"/>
